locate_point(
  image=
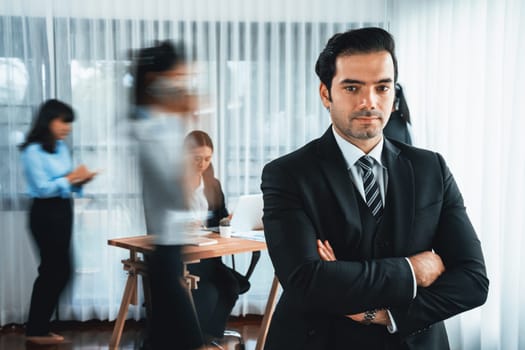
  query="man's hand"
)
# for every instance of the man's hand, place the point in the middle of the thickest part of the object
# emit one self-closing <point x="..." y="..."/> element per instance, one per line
<point x="326" y="252"/>
<point x="427" y="266"/>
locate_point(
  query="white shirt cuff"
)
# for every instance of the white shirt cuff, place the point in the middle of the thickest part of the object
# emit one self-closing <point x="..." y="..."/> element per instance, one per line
<point x="392" y="327"/>
<point x="413" y="278"/>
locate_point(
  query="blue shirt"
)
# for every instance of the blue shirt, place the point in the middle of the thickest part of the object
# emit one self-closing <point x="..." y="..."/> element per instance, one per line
<point x="45" y="172"/>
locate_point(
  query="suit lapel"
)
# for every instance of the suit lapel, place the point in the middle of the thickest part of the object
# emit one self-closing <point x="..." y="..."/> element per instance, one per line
<point x="399" y="204"/>
<point x="334" y="169"/>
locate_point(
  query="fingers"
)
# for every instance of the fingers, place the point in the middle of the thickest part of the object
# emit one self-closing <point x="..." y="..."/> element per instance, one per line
<point x="357" y="317"/>
<point x="330" y="251"/>
<point x="325" y="251"/>
<point x="327" y="244"/>
<point x="81" y="175"/>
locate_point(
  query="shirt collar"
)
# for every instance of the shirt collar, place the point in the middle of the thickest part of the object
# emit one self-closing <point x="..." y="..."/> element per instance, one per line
<point x="200" y="188"/>
<point x="352" y="153"/>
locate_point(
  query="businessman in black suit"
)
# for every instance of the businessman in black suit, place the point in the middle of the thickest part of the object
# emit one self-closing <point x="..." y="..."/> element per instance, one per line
<point x="375" y="252"/>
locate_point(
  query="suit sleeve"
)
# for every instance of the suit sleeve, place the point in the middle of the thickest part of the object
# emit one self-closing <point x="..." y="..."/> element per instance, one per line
<point x="337" y="288"/>
<point x="464" y="284"/>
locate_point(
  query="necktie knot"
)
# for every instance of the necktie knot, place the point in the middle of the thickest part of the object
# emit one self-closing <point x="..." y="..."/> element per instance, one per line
<point x="365" y="163"/>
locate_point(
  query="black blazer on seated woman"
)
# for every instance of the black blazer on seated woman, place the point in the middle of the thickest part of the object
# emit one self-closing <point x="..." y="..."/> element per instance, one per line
<point x="218" y="288"/>
<point x="215" y="198"/>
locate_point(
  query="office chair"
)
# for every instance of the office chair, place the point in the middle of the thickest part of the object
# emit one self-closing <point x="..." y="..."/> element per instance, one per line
<point x="244" y="286"/>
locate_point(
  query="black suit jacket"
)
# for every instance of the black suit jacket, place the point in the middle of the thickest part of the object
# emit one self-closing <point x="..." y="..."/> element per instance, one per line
<point x="215" y="197"/>
<point x="309" y="195"/>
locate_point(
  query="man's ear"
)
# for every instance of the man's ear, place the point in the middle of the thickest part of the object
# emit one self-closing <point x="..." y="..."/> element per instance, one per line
<point x="325" y="96"/>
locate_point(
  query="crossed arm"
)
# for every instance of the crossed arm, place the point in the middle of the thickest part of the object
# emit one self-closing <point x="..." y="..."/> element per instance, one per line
<point x="427" y="267"/>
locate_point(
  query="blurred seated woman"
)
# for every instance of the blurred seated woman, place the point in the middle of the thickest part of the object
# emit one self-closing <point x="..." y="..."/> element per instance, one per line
<point x="218" y="288"/>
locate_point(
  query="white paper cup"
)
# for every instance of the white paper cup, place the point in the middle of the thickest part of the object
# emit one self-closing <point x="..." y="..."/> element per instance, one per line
<point x="225" y="231"/>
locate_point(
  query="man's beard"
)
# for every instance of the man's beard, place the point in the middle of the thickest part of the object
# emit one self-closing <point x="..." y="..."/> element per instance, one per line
<point x="368" y="132"/>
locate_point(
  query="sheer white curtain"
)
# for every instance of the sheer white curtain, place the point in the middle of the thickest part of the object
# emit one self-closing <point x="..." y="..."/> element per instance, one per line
<point x="256" y="65"/>
<point x="461" y="63"/>
<point x="24" y="62"/>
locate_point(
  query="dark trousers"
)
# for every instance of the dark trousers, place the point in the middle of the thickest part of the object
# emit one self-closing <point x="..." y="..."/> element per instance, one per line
<point x="174" y="324"/>
<point x="50" y="222"/>
<point x="215" y="297"/>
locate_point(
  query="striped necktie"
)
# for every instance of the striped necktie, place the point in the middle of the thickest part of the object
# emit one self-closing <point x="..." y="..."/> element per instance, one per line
<point x="372" y="194"/>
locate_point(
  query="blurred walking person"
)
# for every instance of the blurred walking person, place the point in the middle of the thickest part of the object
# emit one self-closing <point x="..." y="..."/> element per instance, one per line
<point x="51" y="180"/>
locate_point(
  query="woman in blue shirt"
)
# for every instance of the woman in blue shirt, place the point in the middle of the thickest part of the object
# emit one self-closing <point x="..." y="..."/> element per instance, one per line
<point x="51" y="180"/>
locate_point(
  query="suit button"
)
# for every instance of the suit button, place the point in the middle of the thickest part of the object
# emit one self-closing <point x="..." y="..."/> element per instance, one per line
<point x="311" y="332"/>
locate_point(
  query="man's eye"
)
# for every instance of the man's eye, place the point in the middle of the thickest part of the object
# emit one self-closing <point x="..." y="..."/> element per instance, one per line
<point x="383" y="88"/>
<point x="350" y="88"/>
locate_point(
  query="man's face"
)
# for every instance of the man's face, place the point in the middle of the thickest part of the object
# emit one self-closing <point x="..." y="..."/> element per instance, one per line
<point x="362" y="96"/>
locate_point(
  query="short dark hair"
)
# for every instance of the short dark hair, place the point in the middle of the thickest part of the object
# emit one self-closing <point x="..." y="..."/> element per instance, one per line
<point x="363" y="40"/>
<point x="161" y="57"/>
<point x="40" y="132"/>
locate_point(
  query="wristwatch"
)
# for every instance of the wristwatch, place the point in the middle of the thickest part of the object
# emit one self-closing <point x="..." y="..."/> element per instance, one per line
<point x="369" y="316"/>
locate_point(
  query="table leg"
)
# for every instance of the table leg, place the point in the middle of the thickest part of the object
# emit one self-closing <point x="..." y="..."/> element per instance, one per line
<point x="147" y="294"/>
<point x="129" y="291"/>
<point x="270" y="306"/>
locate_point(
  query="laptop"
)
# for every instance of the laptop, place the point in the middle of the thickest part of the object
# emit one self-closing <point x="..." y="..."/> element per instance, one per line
<point x="248" y="213"/>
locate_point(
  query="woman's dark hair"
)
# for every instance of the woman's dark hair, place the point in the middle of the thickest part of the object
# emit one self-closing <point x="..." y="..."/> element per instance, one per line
<point x="401" y="105"/>
<point x="159" y="58"/>
<point x="357" y="41"/>
<point x="199" y="138"/>
<point x="40" y="132"/>
<point x="397" y="127"/>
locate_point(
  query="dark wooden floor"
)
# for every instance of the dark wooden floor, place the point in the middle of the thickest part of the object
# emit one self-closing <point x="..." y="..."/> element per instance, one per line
<point x="95" y="335"/>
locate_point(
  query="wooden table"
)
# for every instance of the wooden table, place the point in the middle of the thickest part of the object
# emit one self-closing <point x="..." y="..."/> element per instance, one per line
<point x="135" y="266"/>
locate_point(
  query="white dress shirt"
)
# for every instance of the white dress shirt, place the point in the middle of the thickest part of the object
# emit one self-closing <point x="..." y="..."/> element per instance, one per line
<point x="199" y="204"/>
